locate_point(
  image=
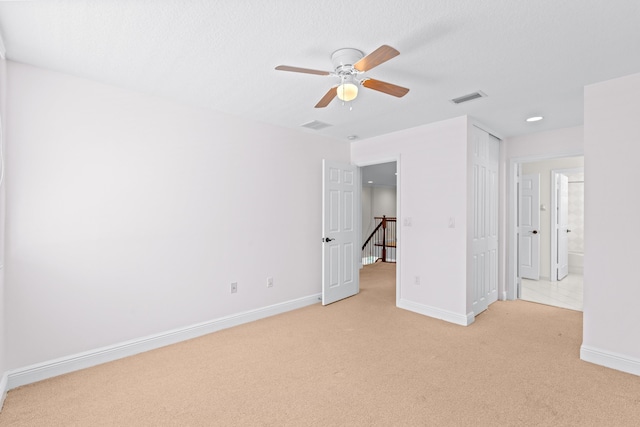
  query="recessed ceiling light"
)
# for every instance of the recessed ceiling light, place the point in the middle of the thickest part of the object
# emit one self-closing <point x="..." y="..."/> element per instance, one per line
<point x="352" y="137"/>
<point x="369" y="182"/>
<point x="535" y="119"/>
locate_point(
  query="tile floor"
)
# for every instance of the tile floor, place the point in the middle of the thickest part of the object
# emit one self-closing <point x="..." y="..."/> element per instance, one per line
<point x="566" y="293"/>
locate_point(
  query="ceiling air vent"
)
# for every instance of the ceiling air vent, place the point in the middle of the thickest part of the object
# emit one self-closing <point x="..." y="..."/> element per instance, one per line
<point x="469" y="97"/>
<point x="316" y="125"/>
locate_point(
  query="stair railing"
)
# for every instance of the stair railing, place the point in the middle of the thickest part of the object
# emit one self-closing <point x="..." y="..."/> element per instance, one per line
<point x="382" y="237"/>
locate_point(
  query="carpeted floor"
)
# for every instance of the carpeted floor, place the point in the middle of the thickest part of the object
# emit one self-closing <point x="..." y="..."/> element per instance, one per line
<point x="361" y="361"/>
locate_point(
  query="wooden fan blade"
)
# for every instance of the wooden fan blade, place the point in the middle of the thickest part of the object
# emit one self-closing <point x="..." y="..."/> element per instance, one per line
<point x="302" y="70"/>
<point x="375" y="58"/>
<point x="385" y="87"/>
<point x="327" y="98"/>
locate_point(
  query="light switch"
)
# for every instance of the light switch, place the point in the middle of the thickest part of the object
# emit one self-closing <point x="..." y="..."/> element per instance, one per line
<point x="452" y="222"/>
<point x="407" y="221"/>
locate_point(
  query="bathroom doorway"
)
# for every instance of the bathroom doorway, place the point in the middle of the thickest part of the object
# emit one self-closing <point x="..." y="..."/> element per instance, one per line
<point x="561" y="232"/>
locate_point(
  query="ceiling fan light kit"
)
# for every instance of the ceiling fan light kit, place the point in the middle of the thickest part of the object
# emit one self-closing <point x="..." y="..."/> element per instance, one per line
<point x="348" y="64"/>
<point x="347" y="92"/>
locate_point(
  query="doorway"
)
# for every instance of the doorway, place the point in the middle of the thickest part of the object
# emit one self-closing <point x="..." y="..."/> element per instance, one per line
<point x="379" y="213"/>
<point x="379" y="209"/>
<point x="551" y="286"/>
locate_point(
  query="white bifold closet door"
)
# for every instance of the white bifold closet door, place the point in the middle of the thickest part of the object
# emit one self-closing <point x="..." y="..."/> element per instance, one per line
<point x="483" y="233"/>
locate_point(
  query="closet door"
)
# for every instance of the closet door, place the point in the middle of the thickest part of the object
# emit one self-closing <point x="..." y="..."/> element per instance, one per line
<point x="483" y="234"/>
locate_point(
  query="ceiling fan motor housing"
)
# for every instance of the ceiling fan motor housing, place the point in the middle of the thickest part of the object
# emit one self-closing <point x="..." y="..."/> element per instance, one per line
<point x="343" y="60"/>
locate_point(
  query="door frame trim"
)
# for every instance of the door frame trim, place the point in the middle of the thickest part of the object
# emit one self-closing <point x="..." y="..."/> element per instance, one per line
<point x="554" y="219"/>
<point x="378" y="161"/>
<point x="512" y="285"/>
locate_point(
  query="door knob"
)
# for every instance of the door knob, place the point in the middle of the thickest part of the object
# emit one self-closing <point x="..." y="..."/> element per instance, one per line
<point x="327" y="239"/>
<point x="535" y="231"/>
<point x="568" y="231"/>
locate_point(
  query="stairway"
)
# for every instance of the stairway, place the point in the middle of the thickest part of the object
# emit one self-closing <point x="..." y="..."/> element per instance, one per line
<point x="381" y="243"/>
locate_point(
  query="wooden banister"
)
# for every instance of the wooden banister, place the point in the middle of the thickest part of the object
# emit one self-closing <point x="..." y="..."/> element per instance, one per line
<point x="383" y="236"/>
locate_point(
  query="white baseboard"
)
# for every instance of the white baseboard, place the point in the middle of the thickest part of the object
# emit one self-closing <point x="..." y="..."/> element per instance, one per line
<point x="41" y="371"/>
<point x="611" y="360"/>
<point x="448" y="316"/>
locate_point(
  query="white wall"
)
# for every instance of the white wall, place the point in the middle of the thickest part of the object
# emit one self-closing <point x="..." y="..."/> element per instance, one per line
<point x="376" y="202"/>
<point x="129" y="215"/>
<point x="384" y="201"/>
<point x="544" y="168"/>
<point x="541" y="145"/>
<point x="432" y="187"/>
<point x="611" y="285"/>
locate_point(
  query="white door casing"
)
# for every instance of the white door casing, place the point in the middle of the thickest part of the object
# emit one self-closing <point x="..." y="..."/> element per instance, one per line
<point x="529" y="227"/>
<point x="341" y="252"/>
<point x="562" y="228"/>
<point x="485" y="161"/>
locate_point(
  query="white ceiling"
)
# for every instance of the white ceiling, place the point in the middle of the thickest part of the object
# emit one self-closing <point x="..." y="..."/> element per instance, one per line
<point x="531" y="57"/>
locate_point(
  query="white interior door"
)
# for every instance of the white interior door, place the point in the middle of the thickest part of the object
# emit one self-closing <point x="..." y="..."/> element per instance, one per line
<point x="563" y="226"/>
<point x="340" y="252"/>
<point x="485" y="158"/>
<point x="529" y="227"/>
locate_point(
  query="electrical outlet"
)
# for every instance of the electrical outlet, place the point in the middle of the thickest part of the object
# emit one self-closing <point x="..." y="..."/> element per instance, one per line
<point x="234" y="287"/>
<point x="269" y="282"/>
<point x="416" y="280"/>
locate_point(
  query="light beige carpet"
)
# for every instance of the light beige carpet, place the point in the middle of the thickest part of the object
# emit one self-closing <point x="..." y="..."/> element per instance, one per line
<point x="361" y="361"/>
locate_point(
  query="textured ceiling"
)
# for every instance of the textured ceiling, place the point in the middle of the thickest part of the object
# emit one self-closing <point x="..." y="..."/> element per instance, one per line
<point x="529" y="57"/>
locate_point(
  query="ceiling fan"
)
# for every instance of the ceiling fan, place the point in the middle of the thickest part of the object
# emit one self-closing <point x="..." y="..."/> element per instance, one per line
<point x="349" y="64"/>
